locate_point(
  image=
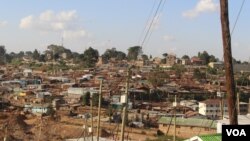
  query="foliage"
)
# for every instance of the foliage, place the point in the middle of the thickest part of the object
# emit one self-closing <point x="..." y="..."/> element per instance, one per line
<point x="144" y="57"/>
<point x="133" y="52"/>
<point x="113" y="53"/>
<point x="2" y="55"/>
<point x="95" y="99"/>
<point x="16" y="62"/>
<point x="165" y="55"/>
<point x="90" y="57"/>
<point x="86" y="99"/>
<point x="179" y="69"/>
<point x="158" y="78"/>
<point x="212" y="70"/>
<point x="206" y="57"/>
<point x="243" y="80"/>
<point x="185" y="57"/>
<point x="198" y="74"/>
<point x="36" y="55"/>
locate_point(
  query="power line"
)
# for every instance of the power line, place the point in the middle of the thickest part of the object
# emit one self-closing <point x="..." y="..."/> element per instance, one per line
<point x="152" y="21"/>
<point x="157" y="19"/>
<point x="145" y="27"/>
<point x="238" y="16"/>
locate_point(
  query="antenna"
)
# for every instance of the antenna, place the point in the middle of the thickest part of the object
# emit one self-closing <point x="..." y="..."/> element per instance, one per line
<point x="62" y="41"/>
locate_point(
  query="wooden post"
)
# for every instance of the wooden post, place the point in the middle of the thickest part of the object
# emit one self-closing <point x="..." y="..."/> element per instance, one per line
<point x="99" y="110"/>
<point x="232" y="110"/>
<point x="125" y="107"/>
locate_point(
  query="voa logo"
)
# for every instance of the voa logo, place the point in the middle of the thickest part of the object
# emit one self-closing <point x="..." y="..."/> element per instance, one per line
<point x="236" y="132"/>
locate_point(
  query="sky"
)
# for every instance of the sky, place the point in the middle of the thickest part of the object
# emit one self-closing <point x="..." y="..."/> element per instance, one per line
<point x="178" y="27"/>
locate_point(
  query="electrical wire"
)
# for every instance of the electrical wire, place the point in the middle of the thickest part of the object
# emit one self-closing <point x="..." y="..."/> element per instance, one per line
<point x="151" y="23"/>
<point x="145" y="27"/>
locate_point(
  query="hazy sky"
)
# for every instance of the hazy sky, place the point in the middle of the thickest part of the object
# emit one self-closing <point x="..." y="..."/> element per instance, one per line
<point x="180" y="26"/>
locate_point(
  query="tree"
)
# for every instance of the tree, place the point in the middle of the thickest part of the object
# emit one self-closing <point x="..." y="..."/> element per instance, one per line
<point x="185" y="57"/>
<point x="2" y="55"/>
<point x="113" y="53"/>
<point x="212" y="70"/>
<point x="28" y="53"/>
<point x="95" y="99"/>
<point x="90" y="57"/>
<point x="165" y="55"/>
<point x="198" y="74"/>
<point x="133" y="52"/>
<point x="179" y="69"/>
<point x="158" y="78"/>
<point x="86" y="98"/>
<point x="144" y="57"/>
<point x="206" y="57"/>
<point x="36" y="55"/>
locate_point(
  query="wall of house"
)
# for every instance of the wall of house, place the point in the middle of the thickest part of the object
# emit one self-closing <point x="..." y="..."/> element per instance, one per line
<point x="185" y="131"/>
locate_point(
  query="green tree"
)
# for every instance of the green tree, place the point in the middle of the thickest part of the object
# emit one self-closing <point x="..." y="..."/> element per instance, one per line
<point x="179" y="69"/>
<point x="90" y="57"/>
<point x="36" y="55"/>
<point x="185" y="57"/>
<point x="95" y="99"/>
<point x="198" y="74"/>
<point x="133" y="52"/>
<point x="2" y="55"/>
<point x="206" y="57"/>
<point x="158" y="78"/>
<point x="144" y="57"/>
<point x="165" y="55"/>
<point x="86" y="99"/>
<point x="212" y="70"/>
<point x="113" y="53"/>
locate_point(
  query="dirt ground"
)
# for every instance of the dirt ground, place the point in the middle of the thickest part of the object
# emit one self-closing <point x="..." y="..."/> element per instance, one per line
<point x="26" y="127"/>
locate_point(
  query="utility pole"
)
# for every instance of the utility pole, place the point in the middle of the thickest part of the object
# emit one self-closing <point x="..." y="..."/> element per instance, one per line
<point x="238" y="102"/>
<point x="91" y="110"/>
<point x="99" y="110"/>
<point x="124" y="114"/>
<point x="175" y="104"/>
<point x="5" y="132"/>
<point x="226" y="38"/>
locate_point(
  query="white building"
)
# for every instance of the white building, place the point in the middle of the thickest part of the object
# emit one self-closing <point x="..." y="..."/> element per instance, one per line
<point x="242" y="120"/>
<point x="212" y="108"/>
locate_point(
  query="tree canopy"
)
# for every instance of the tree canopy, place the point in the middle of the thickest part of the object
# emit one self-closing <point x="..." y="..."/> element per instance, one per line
<point x="133" y="52"/>
<point x="90" y="57"/>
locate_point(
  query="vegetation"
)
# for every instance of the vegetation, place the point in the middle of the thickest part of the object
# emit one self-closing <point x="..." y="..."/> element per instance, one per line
<point x="86" y="99"/>
<point x="206" y="57"/>
<point x="90" y="57"/>
<point x="133" y="52"/>
<point x="113" y="53"/>
<point x="158" y="78"/>
<point x="2" y="55"/>
<point x="179" y="69"/>
<point x="198" y="74"/>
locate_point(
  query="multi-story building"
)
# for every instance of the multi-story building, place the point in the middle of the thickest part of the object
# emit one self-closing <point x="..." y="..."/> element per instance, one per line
<point x="212" y="108"/>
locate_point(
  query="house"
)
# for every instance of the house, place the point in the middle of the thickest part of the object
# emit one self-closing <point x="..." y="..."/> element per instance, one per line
<point x="187" y="127"/>
<point x="197" y="61"/>
<point x="193" y="104"/>
<point x="40" y="109"/>
<point x="27" y="72"/>
<point x="212" y="108"/>
<point x="212" y="137"/>
<point x="242" y="120"/>
<point x="171" y="59"/>
<point x="185" y="61"/>
<point x="216" y="65"/>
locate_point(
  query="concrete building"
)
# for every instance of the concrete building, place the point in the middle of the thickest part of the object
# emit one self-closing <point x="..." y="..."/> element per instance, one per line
<point x="212" y="108"/>
<point x="187" y="127"/>
<point x="171" y="59"/>
<point x="216" y="65"/>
